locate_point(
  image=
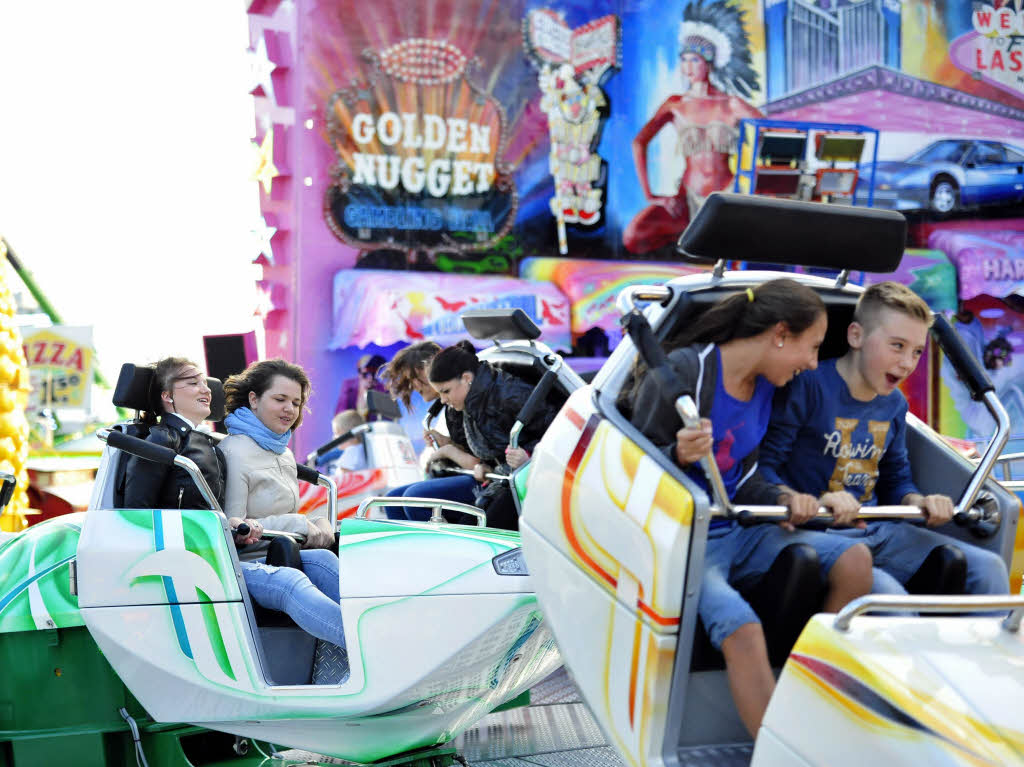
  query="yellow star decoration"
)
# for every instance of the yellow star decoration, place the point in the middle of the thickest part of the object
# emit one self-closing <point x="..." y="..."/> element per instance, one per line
<point x="265" y="171"/>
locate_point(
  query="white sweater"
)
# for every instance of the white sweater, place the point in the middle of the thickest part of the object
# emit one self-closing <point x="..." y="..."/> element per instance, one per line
<point x="262" y="485"/>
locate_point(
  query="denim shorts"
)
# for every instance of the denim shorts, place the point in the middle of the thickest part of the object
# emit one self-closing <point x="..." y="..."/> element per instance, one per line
<point x="900" y="548"/>
<point x="737" y="557"/>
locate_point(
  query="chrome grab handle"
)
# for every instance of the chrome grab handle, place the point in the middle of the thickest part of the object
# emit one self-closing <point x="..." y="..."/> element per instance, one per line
<point x="932" y="604"/>
<point x="626" y="300"/>
<point x="332" y="498"/>
<point x="436" y="506"/>
<point x="991" y="454"/>
<point x="687" y="410"/>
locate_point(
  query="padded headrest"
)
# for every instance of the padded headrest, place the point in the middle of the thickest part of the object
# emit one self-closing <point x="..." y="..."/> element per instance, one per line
<point x="767" y="230"/>
<point x="382" y="405"/>
<point x="134" y="391"/>
<point x="500" y="325"/>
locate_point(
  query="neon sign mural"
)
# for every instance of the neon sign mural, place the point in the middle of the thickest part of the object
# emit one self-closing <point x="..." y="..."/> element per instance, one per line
<point x="418" y="156"/>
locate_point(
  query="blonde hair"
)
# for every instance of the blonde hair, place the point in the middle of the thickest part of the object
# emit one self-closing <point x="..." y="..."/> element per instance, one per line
<point x="346" y="421"/>
<point x="889" y="295"/>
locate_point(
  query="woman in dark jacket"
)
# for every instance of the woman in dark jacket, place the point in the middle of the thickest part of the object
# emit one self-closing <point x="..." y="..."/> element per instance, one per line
<point x="180" y="392"/>
<point x="490" y="400"/>
<point x="405" y="374"/>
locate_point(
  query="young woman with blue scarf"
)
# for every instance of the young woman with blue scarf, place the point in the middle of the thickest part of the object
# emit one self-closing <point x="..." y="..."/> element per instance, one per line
<point x="264" y="404"/>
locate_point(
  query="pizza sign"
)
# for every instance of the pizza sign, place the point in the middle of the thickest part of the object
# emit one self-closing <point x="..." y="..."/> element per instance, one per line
<point x="60" y="364"/>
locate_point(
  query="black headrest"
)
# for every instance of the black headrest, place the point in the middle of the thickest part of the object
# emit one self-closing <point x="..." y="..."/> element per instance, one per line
<point x="769" y="230"/>
<point x="134" y="391"/>
<point x="500" y="324"/>
<point x="382" y="405"/>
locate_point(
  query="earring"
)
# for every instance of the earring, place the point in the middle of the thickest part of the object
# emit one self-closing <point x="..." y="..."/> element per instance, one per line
<point x="780" y="344"/>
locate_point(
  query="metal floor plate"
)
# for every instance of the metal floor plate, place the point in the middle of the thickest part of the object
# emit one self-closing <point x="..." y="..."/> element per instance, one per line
<point x="555" y="730"/>
<point x="557" y="688"/>
<point x="528" y="731"/>
<point x="605" y="756"/>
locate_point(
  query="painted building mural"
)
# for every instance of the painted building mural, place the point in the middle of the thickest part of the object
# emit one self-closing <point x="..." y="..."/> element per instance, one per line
<point x="473" y="137"/>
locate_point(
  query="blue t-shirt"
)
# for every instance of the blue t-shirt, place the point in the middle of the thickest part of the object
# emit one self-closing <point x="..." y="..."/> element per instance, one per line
<point x="821" y="439"/>
<point x="737" y="428"/>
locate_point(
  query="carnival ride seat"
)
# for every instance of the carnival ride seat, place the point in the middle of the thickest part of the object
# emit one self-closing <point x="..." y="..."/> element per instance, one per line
<point x="289" y="650"/>
<point x="133" y="391"/>
<point x="162" y="593"/>
<point x="619" y="531"/>
<point x="792" y="591"/>
<point x="517" y="351"/>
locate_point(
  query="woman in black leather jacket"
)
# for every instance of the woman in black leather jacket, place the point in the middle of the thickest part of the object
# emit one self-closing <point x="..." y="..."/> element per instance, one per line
<point x="179" y="391"/>
<point x="490" y="400"/>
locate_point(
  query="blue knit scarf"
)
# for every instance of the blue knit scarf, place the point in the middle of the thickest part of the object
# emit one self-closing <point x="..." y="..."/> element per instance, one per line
<point x="244" y="421"/>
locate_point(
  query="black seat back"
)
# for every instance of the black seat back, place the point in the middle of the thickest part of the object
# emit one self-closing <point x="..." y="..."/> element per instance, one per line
<point x="134" y="391"/>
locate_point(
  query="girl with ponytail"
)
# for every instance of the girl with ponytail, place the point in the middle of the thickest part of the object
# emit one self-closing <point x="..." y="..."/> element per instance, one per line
<point x="731" y="359"/>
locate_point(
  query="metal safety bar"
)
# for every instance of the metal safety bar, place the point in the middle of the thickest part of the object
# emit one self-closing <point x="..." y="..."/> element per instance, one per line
<point x="434" y="504"/>
<point x="781" y="513"/>
<point x="490" y="475"/>
<point x="933" y="604"/>
<point x="332" y="498"/>
<point x="204" y="488"/>
<point x="1006" y="459"/>
<point x="687" y="410"/>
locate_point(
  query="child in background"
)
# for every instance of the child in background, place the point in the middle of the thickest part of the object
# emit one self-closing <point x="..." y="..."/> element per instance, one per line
<point x="350" y="455"/>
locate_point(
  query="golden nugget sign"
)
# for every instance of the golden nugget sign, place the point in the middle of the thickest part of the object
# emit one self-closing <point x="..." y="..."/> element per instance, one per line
<point x="418" y="153"/>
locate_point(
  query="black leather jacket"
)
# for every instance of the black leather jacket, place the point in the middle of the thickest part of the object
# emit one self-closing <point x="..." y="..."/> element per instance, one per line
<point x="492" y="404"/>
<point x="151" y="485"/>
<point x="456" y="430"/>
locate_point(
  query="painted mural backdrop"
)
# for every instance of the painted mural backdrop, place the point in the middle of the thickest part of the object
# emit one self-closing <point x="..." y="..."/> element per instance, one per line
<point x="466" y="136"/>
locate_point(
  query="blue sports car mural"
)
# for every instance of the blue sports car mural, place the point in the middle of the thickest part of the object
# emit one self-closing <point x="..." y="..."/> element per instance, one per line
<point x="948" y="175"/>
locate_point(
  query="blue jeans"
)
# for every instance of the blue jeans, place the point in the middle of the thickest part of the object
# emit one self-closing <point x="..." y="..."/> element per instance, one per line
<point x="311" y="598"/>
<point x="736" y="557"/>
<point x="458" y="488"/>
<point x="900" y="548"/>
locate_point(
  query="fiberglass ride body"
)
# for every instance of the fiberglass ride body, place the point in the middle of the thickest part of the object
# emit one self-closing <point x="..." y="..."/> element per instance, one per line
<point x="441" y="626"/>
<point x="614" y="536"/>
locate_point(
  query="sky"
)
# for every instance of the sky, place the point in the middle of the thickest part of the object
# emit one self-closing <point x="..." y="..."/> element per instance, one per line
<point x="125" y="162"/>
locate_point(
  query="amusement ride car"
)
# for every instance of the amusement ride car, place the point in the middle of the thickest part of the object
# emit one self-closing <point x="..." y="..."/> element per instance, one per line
<point x="614" y="535"/>
<point x="117" y="623"/>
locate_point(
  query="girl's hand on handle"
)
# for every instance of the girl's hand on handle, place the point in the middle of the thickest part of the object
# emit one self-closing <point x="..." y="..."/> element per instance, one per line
<point x="319" y="534"/>
<point x="438" y="439"/>
<point x="516" y="457"/>
<point x="693" y="443"/>
<point x="480" y="472"/>
<point x="255" y="530"/>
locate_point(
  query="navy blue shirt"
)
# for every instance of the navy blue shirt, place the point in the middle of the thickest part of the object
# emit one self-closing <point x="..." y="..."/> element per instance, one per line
<point x="821" y="439"/>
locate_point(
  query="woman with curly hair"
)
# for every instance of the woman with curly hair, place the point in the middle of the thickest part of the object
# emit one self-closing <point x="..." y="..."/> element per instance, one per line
<point x="405" y="374"/>
<point x="714" y="58"/>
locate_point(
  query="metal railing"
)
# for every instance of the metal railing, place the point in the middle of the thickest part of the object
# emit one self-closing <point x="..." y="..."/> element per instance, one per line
<point x="435" y="505"/>
<point x="933" y="604"/>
